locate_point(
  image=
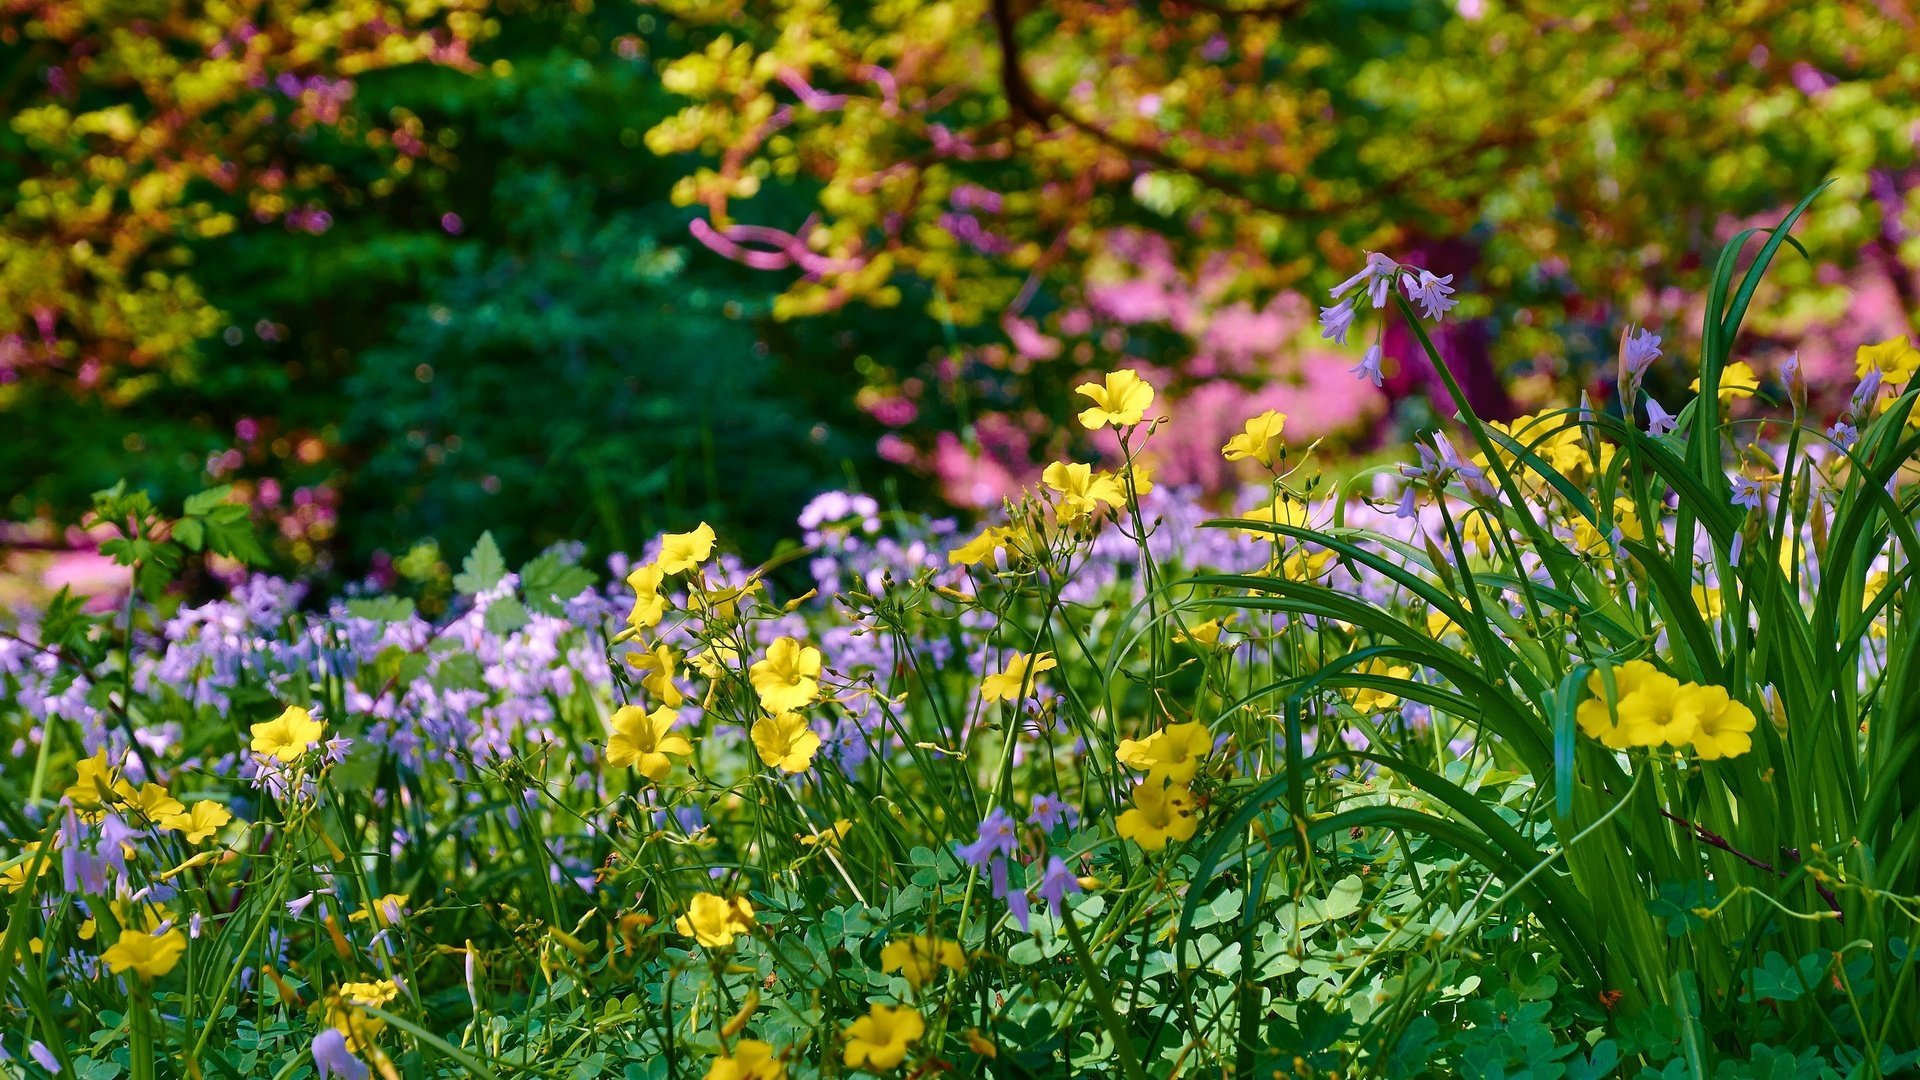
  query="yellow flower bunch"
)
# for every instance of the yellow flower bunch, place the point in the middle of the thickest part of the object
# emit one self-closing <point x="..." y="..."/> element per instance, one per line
<point x="1163" y="806"/>
<point x="1895" y="358"/>
<point x="679" y="553"/>
<point x="1556" y="439"/>
<point x="1652" y="708"/>
<point x="1082" y="491"/>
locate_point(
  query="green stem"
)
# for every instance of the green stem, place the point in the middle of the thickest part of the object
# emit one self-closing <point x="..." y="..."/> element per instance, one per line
<point x="140" y="1016"/>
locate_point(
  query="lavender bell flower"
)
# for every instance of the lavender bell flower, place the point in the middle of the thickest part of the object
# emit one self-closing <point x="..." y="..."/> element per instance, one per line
<point x="1746" y="492"/>
<point x="1863" y="395"/>
<point x="1336" y="321"/>
<point x="1639" y="348"/>
<point x="1796" y="380"/>
<point x="1433" y="294"/>
<point x="332" y="1058"/>
<point x="1369" y="365"/>
<point x="1056" y="883"/>
<point x="1659" y="421"/>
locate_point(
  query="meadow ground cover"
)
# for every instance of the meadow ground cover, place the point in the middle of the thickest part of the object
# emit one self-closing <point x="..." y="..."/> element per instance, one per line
<point x="1579" y="745"/>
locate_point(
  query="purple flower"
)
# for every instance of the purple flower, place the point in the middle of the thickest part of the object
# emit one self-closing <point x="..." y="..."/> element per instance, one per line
<point x="1335" y="321"/>
<point x="1056" y="883"/>
<point x="1369" y="365"/>
<point x="1639" y="348"/>
<point x="1796" y="380"/>
<point x="1433" y="294"/>
<point x="1022" y="914"/>
<point x="1376" y="278"/>
<point x="332" y="1058"/>
<point x="45" y="1057"/>
<point x="996" y="838"/>
<point x="1864" y="394"/>
<point x="1746" y="492"/>
<point x="1843" y="434"/>
<point x="1048" y="811"/>
<point x="1659" y="420"/>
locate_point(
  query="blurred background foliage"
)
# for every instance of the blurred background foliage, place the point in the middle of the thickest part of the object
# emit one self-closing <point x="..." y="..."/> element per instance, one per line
<point x="586" y="270"/>
<point x="517" y="336"/>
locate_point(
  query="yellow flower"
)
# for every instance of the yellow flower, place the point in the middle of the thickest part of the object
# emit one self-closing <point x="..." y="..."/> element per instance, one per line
<point x="1206" y="633"/>
<point x="714" y="921"/>
<point x="659" y="667"/>
<point x="1723" y="727"/>
<point x="680" y="552"/>
<point x="1257" y="440"/>
<point x="1283" y="510"/>
<point x="1652" y="716"/>
<point x="1556" y="440"/>
<point x="1440" y="624"/>
<point x="919" y="958"/>
<point x="789" y="678"/>
<point x="722" y="603"/>
<point x="359" y="1028"/>
<point x="1172" y="753"/>
<point x="1141" y="473"/>
<point x="200" y="822"/>
<point x="1596" y="718"/>
<point x="1895" y="357"/>
<point x="830" y="836"/>
<point x="992" y="539"/>
<point x="1367" y="700"/>
<point x="1121" y="399"/>
<point x="1082" y="491"/>
<point x="388" y="910"/>
<point x="150" y="801"/>
<point x="288" y="735"/>
<point x="1022" y="673"/>
<point x="1709" y="601"/>
<point x="785" y="741"/>
<point x="643" y="741"/>
<point x="1160" y="812"/>
<point x="751" y="1060"/>
<point x="1304" y="565"/>
<point x="94" y="782"/>
<point x="716" y="659"/>
<point x="649" y="607"/>
<point x="878" y="1041"/>
<point x="1737" y="380"/>
<point x="147" y="955"/>
<point x="14" y="878"/>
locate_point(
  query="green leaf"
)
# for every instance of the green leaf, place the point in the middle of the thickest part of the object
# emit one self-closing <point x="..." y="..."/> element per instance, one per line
<point x="381" y="608"/>
<point x="506" y="615"/>
<point x="203" y="503"/>
<point x="482" y="569"/>
<point x="549" y="581"/>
